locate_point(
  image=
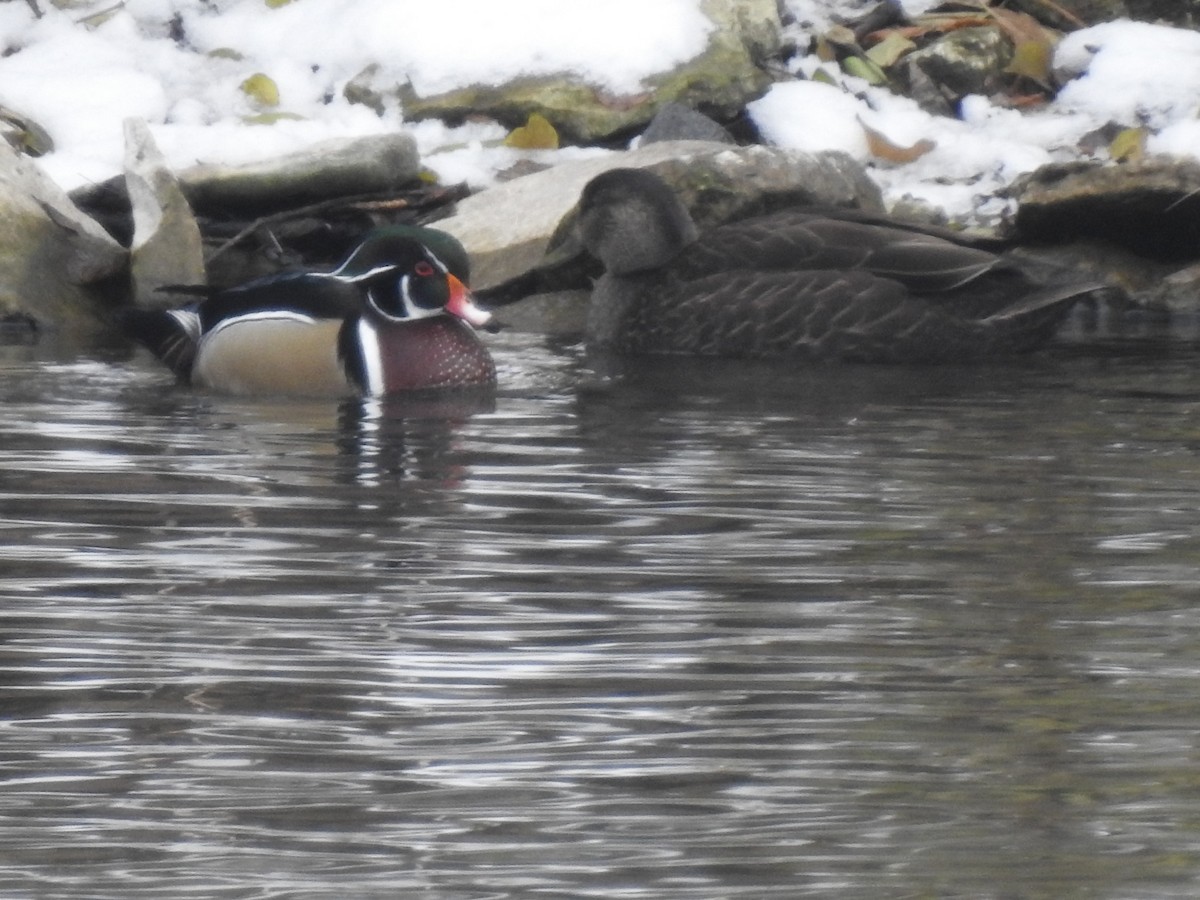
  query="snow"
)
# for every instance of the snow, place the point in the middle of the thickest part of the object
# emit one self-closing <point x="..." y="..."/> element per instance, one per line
<point x="80" y="78"/>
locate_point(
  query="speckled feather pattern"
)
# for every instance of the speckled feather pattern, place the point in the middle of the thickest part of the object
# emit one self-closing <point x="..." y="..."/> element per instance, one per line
<point x="807" y="314"/>
<point x="801" y="282"/>
<point x="807" y="285"/>
<point x="442" y="352"/>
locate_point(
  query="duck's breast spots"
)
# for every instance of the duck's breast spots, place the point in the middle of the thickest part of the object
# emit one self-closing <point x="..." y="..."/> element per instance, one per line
<point x="434" y="353"/>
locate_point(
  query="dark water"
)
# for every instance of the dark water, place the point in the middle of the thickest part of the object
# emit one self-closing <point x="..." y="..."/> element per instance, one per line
<point x="720" y="631"/>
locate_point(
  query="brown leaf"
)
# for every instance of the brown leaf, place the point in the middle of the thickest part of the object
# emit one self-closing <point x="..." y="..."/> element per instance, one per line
<point x="882" y="148"/>
<point x="1020" y="27"/>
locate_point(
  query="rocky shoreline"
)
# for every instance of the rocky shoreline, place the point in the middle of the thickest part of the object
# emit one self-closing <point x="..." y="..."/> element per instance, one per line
<point x="67" y="262"/>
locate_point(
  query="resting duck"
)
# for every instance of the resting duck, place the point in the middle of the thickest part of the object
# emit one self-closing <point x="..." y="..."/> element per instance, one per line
<point x="395" y="316"/>
<point x="827" y="284"/>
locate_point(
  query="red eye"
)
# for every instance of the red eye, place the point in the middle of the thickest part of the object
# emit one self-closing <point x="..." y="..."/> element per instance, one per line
<point x="423" y="269"/>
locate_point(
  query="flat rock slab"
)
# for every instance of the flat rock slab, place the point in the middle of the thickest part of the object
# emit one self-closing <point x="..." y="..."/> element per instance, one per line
<point x="328" y="170"/>
<point x="1151" y="207"/>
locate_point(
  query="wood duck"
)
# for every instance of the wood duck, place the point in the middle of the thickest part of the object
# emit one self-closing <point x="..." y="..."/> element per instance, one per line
<point x="824" y="284"/>
<point x="395" y="316"/>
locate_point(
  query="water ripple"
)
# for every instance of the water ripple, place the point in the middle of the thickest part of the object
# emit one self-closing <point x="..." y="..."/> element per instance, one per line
<point x="708" y="631"/>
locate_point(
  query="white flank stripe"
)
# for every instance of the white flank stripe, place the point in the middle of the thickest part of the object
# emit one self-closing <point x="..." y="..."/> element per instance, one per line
<point x="264" y="316"/>
<point x="368" y="340"/>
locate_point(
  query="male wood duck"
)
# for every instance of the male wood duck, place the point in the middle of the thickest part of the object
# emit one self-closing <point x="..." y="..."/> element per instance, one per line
<point x="827" y="284"/>
<point x="395" y="316"/>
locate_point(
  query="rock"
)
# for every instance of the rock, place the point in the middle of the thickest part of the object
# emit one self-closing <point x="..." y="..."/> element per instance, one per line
<point x="966" y="61"/>
<point x="676" y="122"/>
<point x="1150" y="207"/>
<point x="24" y="134"/>
<point x="166" y="247"/>
<point x="1182" y="13"/>
<point x="1177" y="293"/>
<point x="363" y="89"/>
<point x="508" y="228"/>
<point x="1068" y="14"/>
<point x="330" y="169"/>
<point x="54" y="260"/>
<point x="719" y="83"/>
<point x="561" y="314"/>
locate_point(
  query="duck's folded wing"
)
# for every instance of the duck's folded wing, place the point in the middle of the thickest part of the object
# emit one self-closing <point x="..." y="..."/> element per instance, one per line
<point x="803" y="241"/>
<point x="310" y="294"/>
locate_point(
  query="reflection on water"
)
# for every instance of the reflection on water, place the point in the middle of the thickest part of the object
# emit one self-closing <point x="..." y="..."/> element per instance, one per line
<point x="707" y="631"/>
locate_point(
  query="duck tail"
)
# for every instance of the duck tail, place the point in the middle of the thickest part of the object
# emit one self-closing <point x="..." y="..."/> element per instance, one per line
<point x="1028" y="322"/>
<point x="1054" y="297"/>
<point x="171" y="335"/>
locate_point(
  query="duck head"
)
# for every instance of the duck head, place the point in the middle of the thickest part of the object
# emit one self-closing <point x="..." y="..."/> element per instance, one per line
<point x="407" y="273"/>
<point x="632" y="221"/>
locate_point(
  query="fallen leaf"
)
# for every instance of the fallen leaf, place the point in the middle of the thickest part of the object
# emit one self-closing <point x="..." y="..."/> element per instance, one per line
<point x="841" y="36"/>
<point x="536" y="134"/>
<point x="1129" y="145"/>
<point x="1032" y="60"/>
<point x="1066" y="18"/>
<point x="883" y="148"/>
<point x="861" y="67"/>
<point x="270" y="118"/>
<point x="889" y="50"/>
<point x="825" y="51"/>
<point x="1017" y="26"/>
<point x="262" y="89"/>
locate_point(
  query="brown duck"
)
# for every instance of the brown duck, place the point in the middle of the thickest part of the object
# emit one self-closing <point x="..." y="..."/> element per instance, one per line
<point x="807" y="283"/>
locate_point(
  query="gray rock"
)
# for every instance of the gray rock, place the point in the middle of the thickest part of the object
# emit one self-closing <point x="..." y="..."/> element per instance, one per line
<point x="676" y="122"/>
<point x="967" y="61"/>
<point x="331" y="169"/>
<point x="1068" y="14"/>
<point x="1150" y="207"/>
<point x="1177" y="293"/>
<point x="166" y="247"/>
<point x="1183" y="13"/>
<point x="24" y="134"/>
<point x="508" y="228"/>
<point x="52" y="257"/>
<point x="720" y="82"/>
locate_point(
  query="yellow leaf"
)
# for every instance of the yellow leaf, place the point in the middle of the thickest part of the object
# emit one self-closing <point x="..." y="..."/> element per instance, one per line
<point x="1129" y="145"/>
<point x="890" y="49"/>
<point x="270" y="118"/>
<point x="1031" y="59"/>
<point x="536" y="134"/>
<point x="861" y="67"/>
<point x="275" y="4"/>
<point x="261" y="89"/>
